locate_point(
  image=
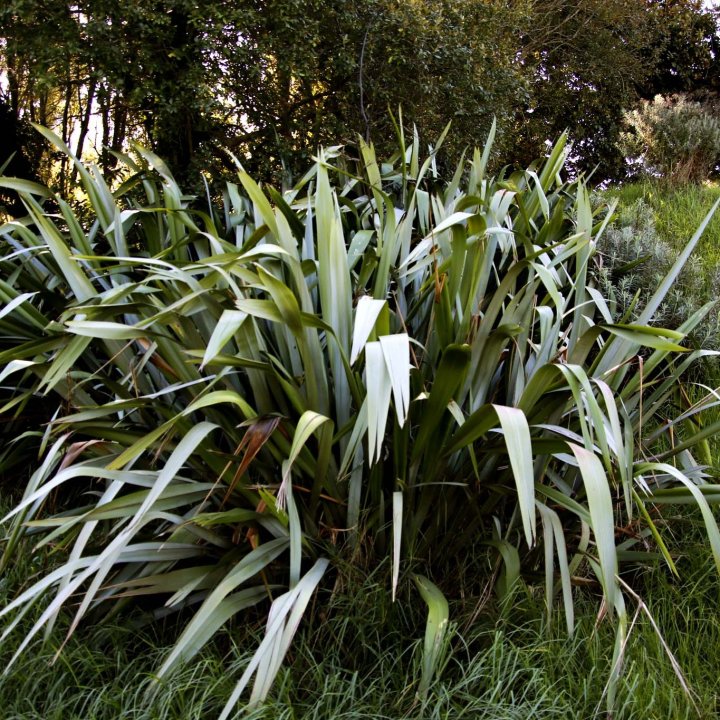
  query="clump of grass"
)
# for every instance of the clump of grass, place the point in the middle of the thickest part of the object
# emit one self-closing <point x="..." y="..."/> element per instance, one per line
<point x="634" y="256"/>
<point x="355" y="662"/>
<point x="672" y="136"/>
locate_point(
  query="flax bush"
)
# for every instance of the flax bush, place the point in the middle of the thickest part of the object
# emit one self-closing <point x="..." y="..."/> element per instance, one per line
<point x="378" y="367"/>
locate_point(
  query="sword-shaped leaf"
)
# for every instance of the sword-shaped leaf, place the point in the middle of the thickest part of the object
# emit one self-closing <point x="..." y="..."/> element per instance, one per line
<point x="435" y="631"/>
<point x="284" y="618"/>
<point x="228" y="324"/>
<point x="379" y="389"/>
<point x="602" y="518"/>
<point x="366" y="315"/>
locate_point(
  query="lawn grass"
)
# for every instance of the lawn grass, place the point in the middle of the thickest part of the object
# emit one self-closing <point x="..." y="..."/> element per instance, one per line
<point x="356" y="661"/>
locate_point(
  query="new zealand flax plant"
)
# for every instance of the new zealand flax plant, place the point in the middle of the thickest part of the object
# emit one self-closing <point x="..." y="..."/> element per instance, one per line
<point x="227" y="405"/>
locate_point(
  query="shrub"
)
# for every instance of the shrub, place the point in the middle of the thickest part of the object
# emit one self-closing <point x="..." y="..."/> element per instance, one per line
<point x="674" y="137"/>
<point x="632" y="259"/>
<point x="375" y="366"/>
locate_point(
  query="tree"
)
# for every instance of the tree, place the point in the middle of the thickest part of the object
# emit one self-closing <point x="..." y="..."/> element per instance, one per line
<point x="687" y="52"/>
<point x="586" y="61"/>
<point x="590" y="62"/>
<point x="15" y="161"/>
<point x="267" y="79"/>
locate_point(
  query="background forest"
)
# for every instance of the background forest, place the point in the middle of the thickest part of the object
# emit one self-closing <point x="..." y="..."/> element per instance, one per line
<point x="271" y="81"/>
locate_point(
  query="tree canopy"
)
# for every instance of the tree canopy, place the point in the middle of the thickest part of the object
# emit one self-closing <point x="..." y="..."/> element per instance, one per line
<point x="268" y="81"/>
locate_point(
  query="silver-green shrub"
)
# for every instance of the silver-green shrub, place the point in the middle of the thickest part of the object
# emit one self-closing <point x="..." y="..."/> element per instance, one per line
<point x="673" y="137"/>
<point x="632" y="260"/>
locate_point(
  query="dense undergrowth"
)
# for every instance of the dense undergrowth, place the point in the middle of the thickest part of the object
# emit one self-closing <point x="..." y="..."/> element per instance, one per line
<point x="652" y="222"/>
<point x="377" y="400"/>
<point x="669" y="214"/>
<point x="356" y="661"/>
